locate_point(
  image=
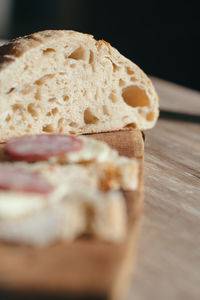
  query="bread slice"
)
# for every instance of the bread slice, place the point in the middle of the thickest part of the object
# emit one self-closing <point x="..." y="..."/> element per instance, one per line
<point x="64" y="214"/>
<point x="101" y="164"/>
<point x="67" y="82"/>
<point x="100" y="214"/>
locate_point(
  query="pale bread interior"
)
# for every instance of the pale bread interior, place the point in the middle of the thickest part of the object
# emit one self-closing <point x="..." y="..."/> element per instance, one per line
<point x="67" y="82"/>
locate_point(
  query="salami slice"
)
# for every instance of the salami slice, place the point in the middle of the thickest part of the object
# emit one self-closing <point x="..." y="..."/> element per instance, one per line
<point x="41" y="146"/>
<point x="15" y="179"/>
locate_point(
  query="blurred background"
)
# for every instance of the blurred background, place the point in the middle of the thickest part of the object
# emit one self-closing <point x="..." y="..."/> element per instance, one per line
<point x="162" y="37"/>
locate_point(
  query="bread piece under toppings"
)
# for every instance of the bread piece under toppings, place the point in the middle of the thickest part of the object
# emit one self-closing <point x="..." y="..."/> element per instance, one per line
<point x="111" y="170"/>
<point x="76" y="206"/>
<point x="67" y="82"/>
<point x="85" y="197"/>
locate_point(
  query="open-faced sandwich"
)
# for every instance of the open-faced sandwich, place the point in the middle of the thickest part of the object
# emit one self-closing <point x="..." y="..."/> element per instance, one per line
<point x="56" y="187"/>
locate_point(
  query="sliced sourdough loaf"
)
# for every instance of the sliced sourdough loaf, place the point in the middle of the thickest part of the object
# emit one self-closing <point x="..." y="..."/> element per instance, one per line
<point x="66" y="81"/>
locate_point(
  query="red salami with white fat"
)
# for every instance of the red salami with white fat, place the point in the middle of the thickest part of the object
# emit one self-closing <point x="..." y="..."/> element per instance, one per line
<point x="15" y="179"/>
<point x="41" y="146"/>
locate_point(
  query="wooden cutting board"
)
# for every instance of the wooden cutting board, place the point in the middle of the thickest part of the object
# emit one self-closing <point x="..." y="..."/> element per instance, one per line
<point x="86" y="268"/>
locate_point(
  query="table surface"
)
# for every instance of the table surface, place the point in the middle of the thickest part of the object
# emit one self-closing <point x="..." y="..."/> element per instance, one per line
<point x="168" y="265"/>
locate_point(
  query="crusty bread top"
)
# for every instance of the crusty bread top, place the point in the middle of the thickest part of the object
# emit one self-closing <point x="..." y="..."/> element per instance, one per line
<point x="66" y="81"/>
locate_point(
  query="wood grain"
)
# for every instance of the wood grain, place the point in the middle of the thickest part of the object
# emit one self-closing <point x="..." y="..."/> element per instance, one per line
<point x="168" y="265"/>
<point x="86" y="267"/>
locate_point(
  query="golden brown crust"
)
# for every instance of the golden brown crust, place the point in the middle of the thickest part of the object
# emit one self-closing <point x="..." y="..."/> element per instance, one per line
<point x="102" y="42"/>
<point x="15" y="48"/>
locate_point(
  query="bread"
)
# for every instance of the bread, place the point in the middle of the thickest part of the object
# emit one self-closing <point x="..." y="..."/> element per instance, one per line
<point x="101" y="164"/>
<point x="65" y="213"/>
<point x="112" y="170"/>
<point x="67" y="82"/>
<point x="84" y="195"/>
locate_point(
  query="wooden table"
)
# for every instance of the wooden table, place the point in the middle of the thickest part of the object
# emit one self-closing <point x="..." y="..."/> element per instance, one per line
<point x="168" y="265"/>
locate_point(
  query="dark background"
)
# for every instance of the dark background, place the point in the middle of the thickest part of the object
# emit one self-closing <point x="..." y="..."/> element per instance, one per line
<point x="162" y="37"/>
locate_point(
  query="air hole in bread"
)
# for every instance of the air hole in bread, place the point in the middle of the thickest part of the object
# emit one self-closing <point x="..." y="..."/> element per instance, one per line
<point x="54" y="111"/>
<point x="133" y="79"/>
<point x="73" y="124"/>
<point x="31" y="109"/>
<point x="131" y="125"/>
<point x="65" y="97"/>
<point x="48" y="128"/>
<point x="89" y="117"/>
<point x="78" y="54"/>
<point x="105" y="110"/>
<point x="115" y="67"/>
<point x="38" y="94"/>
<point x="48" y="51"/>
<point x="150" y="116"/>
<point x="60" y="121"/>
<point x="129" y="71"/>
<point x="44" y="78"/>
<point x="122" y="82"/>
<point x="134" y="96"/>
<point x="8" y="118"/>
<point x="25" y="67"/>
<point x="28" y="89"/>
<point x="53" y="99"/>
<point x="72" y="66"/>
<point x="18" y="107"/>
<point x="91" y="58"/>
<point x="113" y="98"/>
<point x="96" y="95"/>
<point x="60" y="124"/>
<point x="11" y="90"/>
<point x="72" y="132"/>
<point x="141" y="112"/>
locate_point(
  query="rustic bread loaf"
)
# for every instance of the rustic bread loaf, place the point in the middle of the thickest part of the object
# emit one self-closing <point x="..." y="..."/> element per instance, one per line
<point x="66" y="81"/>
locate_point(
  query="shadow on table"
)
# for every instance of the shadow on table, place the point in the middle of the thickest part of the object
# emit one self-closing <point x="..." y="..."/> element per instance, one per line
<point x="165" y="114"/>
<point x="8" y="295"/>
